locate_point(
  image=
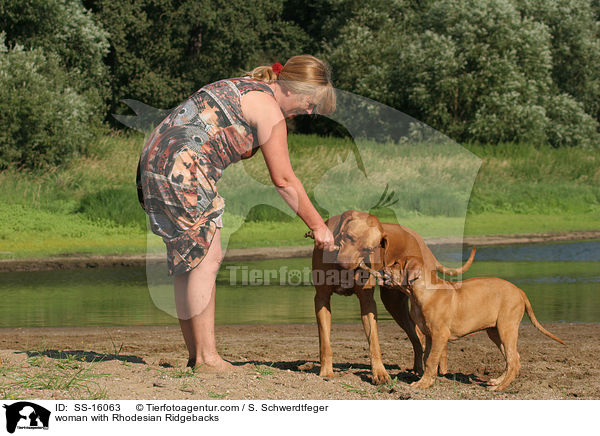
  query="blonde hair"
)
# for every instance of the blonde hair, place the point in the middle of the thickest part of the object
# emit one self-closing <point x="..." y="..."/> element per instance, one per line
<point x="302" y="74"/>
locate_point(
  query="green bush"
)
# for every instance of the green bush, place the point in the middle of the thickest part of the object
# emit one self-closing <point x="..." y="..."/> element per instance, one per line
<point x="575" y="46"/>
<point x="43" y="120"/>
<point x="570" y="125"/>
<point x="65" y="28"/>
<point x="163" y="51"/>
<point x="487" y="71"/>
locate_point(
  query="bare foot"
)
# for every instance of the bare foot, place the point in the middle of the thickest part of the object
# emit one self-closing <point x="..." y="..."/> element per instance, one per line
<point x="212" y="365"/>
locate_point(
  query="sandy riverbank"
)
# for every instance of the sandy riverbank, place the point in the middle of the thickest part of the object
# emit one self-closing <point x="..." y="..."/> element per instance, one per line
<point x="281" y="362"/>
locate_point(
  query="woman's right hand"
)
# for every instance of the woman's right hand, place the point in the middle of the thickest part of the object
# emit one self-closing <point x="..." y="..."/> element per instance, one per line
<point x="324" y="238"/>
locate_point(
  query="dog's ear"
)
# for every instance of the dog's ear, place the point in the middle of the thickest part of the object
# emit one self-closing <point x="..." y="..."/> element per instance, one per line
<point x="341" y="222"/>
<point x="373" y="221"/>
<point x="412" y="270"/>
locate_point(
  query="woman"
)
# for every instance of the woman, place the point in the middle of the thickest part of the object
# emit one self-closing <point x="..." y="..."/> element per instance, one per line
<point x="185" y="156"/>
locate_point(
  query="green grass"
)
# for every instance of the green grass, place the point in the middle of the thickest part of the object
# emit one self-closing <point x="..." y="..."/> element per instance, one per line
<point x="264" y="370"/>
<point x="350" y="388"/>
<point x="68" y="375"/>
<point x="496" y="223"/>
<point x="536" y="180"/>
<point x="90" y="205"/>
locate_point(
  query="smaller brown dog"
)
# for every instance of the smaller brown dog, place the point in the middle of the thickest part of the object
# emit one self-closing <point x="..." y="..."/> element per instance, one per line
<point x="365" y="246"/>
<point x="446" y="311"/>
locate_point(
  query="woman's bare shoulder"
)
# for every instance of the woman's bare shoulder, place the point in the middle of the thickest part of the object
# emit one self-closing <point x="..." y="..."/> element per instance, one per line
<point x="259" y="107"/>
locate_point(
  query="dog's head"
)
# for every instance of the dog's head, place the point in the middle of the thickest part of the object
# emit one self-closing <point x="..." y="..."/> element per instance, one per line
<point x="359" y="236"/>
<point x="404" y="273"/>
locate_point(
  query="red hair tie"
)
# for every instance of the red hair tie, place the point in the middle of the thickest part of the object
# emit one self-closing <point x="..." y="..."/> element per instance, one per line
<point x="277" y="68"/>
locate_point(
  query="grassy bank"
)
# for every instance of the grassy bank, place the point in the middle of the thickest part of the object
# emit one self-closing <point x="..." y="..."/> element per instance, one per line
<point x="90" y="206"/>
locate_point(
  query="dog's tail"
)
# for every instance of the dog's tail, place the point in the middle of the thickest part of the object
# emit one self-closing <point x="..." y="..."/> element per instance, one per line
<point x="456" y="271"/>
<point x="534" y="320"/>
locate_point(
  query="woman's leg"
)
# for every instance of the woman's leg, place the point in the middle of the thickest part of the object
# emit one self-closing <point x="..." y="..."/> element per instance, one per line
<point x="195" y="303"/>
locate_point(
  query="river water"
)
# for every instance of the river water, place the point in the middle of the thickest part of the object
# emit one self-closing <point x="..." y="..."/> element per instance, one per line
<point x="562" y="281"/>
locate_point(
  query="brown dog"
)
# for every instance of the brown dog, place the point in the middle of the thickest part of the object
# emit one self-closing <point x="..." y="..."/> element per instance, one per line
<point x="363" y="239"/>
<point x="449" y="310"/>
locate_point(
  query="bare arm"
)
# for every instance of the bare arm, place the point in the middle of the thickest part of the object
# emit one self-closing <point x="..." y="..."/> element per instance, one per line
<point x="262" y="111"/>
<point x="275" y="152"/>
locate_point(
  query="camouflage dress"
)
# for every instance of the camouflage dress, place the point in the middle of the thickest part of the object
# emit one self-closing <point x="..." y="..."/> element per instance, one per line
<point x="183" y="159"/>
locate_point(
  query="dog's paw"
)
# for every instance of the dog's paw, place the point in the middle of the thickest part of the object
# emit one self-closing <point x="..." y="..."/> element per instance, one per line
<point x="417" y="370"/>
<point x="422" y="384"/>
<point x="307" y="366"/>
<point x="496" y="381"/>
<point x="380" y="377"/>
<point x="494" y="388"/>
<point x="326" y="374"/>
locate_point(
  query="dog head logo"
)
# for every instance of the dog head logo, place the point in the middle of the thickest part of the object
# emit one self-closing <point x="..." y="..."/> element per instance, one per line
<point x="394" y="167"/>
<point x="26" y="415"/>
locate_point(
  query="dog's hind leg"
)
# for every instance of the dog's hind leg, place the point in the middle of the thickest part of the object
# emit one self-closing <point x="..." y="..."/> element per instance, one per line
<point x="495" y="337"/>
<point x="509" y="335"/>
<point x="493" y="334"/>
<point x="443" y="366"/>
<point x="368" y="311"/>
<point x="396" y="304"/>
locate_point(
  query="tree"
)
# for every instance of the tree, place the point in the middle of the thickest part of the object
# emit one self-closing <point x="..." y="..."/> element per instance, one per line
<point x="65" y="28"/>
<point x="477" y="70"/>
<point x="574" y="45"/>
<point x="164" y="50"/>
<point x="43" y="119"/>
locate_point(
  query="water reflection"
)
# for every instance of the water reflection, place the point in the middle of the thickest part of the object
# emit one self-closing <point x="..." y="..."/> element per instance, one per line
<point x="579" y="251"/>
<point x="559" y="290"/>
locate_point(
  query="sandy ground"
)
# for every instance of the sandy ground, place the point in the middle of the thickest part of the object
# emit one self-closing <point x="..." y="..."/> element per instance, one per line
<point x="281" y="362"/>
